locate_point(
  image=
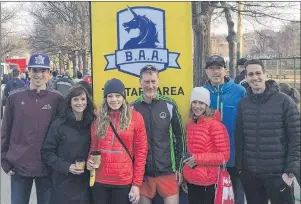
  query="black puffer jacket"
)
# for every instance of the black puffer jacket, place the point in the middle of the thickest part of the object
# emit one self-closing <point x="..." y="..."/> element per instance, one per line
<point x="68" y="140"/>
<point x="268" y="133"/>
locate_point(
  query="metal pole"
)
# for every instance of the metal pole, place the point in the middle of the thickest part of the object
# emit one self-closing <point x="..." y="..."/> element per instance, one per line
<point x="201" y="58"/>
<point x="294" y="72"/>
<point x="201" y="44"/>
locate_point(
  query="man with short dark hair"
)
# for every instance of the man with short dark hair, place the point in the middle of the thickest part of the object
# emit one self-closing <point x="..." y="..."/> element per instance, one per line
<point x="241" y="78"/>
<point x="13" y="84"/>
<point x="28" y="114"/>
<point x="267" y="140"/>
<point x="241" y="70"/>
<point x="166" y="140"/>
<point x="224" y="96"/>
<point x="79" y="77"/>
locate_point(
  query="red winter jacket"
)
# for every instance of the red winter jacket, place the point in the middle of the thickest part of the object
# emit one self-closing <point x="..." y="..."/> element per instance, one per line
<point x="116" y="167"/>
<point x="208" y="141"/>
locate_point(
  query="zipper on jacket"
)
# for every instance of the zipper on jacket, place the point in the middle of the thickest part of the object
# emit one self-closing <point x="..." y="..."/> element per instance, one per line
<point x="114" y="124"/>
<point x="153" y="171"/>
<point x="257" y="130"/>
<point x="37" y="98"/>
<point x="219" y="103"/>
<point x="222" y="105"/>
<point x="217" y="98"/>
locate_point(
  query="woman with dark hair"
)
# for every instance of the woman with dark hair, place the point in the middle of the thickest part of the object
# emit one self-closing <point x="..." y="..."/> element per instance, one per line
<point x="66" y="148"/>
<point x="119" y="134"/>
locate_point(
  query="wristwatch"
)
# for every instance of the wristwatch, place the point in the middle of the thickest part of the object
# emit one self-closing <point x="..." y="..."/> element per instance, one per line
<point x="291" y="175"/>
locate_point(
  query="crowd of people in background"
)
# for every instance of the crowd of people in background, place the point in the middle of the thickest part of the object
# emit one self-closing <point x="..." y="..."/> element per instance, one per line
<point x="51" y="130"/>
<point x="15" y="80"/>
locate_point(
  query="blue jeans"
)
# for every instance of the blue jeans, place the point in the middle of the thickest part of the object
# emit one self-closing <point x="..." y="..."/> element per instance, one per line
<point x="21" y="189"/>
<point x="237" y="185"/>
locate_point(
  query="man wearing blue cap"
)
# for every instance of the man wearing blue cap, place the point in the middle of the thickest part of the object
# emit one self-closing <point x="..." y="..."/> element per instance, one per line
<point x="28" y="114"/>
<point x="225" y="96"/>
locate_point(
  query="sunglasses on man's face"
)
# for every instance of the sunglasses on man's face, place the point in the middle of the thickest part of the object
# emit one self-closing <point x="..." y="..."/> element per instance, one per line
<point x="35" y="70"/>
<point x="149" y="67"/>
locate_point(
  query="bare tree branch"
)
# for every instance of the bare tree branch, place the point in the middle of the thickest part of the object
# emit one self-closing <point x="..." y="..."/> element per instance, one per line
<point x="61" y="27"/>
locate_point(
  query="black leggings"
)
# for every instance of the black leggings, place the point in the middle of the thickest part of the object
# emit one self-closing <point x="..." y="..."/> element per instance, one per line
<point x="201" y="194"/>
<point x="102" y="194"/>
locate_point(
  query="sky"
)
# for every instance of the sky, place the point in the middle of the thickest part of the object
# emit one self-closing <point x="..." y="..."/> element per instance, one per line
<point x="23" y="22"/>
<point x="220" y="26"/>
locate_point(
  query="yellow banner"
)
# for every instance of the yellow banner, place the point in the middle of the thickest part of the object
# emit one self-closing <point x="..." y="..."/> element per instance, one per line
<point x="126" y="36"/>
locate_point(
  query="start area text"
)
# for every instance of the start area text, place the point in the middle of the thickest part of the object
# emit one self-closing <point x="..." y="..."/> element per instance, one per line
<point x="166" y="91"/>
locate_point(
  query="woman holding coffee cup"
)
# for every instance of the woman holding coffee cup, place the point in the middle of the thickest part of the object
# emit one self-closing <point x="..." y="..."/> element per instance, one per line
<point x="120" y="136"/>
<point x="207" y="148"/>
<point x="66" y="149"/>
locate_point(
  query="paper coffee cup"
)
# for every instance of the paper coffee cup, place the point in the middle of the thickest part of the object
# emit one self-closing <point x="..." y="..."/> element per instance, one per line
<point x="95" y="157"/>
<point x="80" y="163"/>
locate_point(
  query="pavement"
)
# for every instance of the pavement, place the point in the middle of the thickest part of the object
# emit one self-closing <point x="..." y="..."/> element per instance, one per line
<point x="5" y="190"/>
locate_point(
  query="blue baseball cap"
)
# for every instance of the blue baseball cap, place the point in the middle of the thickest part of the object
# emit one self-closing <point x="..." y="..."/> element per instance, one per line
<point x="41" y="61"/>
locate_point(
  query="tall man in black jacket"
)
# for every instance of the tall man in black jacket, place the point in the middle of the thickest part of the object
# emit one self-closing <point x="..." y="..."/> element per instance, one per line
<point x="267" y="140"/>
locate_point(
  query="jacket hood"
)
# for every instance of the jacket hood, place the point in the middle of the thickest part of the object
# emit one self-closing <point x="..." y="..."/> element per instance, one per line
<point x="271" y="88"/>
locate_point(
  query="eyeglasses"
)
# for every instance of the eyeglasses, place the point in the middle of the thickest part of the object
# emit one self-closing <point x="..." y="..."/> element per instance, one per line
<point x="148" y="67"/>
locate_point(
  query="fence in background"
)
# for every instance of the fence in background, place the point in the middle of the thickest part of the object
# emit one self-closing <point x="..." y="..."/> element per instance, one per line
<point x="286" y="70"/>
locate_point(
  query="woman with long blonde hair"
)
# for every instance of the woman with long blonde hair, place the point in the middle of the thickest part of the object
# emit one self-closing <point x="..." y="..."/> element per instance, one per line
<point x="122" y="168"/>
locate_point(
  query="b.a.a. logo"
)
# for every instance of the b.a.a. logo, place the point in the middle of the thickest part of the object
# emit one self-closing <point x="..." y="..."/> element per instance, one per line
<point x="141" y="41"/>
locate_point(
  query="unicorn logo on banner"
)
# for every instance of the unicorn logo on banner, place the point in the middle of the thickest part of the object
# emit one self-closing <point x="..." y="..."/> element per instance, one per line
<point x="148" y="34"/>
<point x="141" y="41"/>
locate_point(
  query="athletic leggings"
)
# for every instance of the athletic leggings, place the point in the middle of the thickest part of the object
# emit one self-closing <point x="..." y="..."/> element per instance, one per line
<point x="108" y="194"/>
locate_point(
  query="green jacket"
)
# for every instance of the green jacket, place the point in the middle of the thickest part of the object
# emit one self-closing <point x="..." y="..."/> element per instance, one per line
<point x="165" y="133"/>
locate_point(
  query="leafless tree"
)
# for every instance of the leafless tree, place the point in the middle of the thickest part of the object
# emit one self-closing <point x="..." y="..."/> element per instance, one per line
<point x="287" y="41"/>
<point x="282" y="43"/>
<point x="61" y="27"/>
<point x="202" y="13"/>
<point x="255" y="12"/>
<point x="10" y="40"/>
